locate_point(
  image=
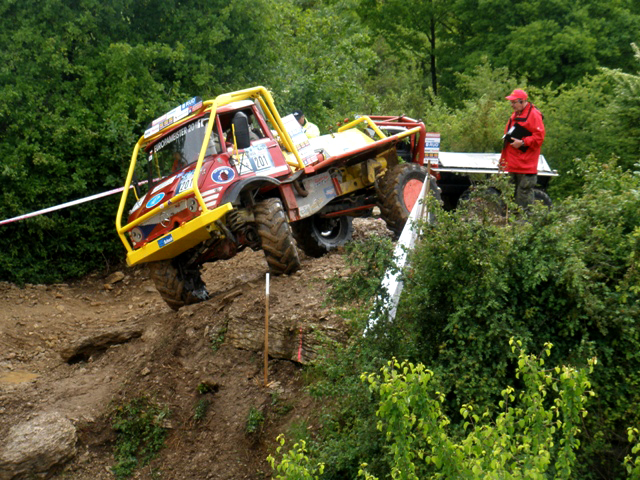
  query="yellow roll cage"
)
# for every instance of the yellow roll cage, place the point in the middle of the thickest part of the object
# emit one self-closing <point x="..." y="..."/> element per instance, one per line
<point x="261" y="94"/>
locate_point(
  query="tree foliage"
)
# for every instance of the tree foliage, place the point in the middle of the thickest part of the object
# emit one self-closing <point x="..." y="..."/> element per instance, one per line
<point x="80" y="81"/>
<point x="96" y="75"/>
<point x="556" y="41"/>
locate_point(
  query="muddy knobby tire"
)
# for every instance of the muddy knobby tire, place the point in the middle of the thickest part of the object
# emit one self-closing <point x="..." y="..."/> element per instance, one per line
<point x="392" y="193"/>
<point x="172" y="287"/>
<point x="277" y="239"/>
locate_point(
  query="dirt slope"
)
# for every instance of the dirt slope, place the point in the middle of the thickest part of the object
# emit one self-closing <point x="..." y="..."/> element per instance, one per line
<point x="78" y="349"/>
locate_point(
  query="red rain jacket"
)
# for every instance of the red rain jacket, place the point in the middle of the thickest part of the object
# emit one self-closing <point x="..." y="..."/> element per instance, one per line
<point x="514" y="160"/>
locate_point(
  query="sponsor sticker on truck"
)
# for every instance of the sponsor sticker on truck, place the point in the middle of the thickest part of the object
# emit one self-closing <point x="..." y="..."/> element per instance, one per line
<point x="173" y="116"/>
<point x="432" y="145"/>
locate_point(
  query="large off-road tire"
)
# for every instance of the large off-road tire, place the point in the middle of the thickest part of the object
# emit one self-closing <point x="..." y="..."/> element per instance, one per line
<point x="177" y="287"/>
<point x="277" y="239"/>
<point x="398" y="191"/>
<point x="542" y="197"/>
<point x="316" y="235"/>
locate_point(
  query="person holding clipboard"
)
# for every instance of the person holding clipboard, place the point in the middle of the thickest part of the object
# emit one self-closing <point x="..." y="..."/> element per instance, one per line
<point x="523" y="137"/>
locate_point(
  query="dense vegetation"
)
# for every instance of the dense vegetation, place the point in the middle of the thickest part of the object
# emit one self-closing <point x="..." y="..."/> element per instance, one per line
<point x="569" y="276"/>
<point x="79" y="81"/>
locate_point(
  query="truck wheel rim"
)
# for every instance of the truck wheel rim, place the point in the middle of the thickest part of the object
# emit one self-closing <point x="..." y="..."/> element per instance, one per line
<point x="411" y="192"/>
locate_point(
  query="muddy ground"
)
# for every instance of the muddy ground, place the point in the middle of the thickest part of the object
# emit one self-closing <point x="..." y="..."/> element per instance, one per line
<point x="82" y="348"/>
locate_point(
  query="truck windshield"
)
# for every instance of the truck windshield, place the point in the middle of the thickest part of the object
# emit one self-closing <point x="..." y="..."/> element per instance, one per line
<point x="180" y="148"/>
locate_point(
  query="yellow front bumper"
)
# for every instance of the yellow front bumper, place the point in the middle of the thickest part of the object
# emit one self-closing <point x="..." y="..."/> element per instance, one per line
<point x="180" y="239"/>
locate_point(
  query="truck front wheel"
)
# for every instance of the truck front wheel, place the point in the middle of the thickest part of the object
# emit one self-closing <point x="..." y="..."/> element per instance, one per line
<point x="317" y="235"/>
<point x="178" y="287"/>
<point x="277" y="240"/>
<point x="398" y="190"/>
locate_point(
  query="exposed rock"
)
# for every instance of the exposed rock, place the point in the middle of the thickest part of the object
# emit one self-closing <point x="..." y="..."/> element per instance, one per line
<point x="33" y="448"/>
<point x="114" y="278"/>
<point x="295" y="337"/>
<point x="84" y="348"/>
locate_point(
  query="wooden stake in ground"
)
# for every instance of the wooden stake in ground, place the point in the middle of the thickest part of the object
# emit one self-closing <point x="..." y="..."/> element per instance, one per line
<point x="266" y="335"/>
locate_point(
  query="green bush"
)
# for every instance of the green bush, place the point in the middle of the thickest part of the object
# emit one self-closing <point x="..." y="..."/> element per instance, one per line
<point x="533" y="435"/>
<point x="294" y="464"/>
<point x="201" y="409"/>
<point x="139" y="434"/>
<point x="367" y="262"/>
<point x="568" y="275"/>
<point x="255" y="420"/>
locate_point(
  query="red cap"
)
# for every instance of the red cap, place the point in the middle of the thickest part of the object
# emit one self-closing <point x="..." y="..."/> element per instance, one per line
<point x="517" y="94"/>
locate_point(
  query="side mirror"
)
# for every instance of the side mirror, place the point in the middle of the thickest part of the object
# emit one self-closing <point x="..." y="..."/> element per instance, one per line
<point x="241" y="129"/>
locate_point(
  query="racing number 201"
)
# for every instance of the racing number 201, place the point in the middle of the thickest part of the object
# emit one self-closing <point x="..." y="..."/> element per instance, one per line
<point x="261" y="158"/>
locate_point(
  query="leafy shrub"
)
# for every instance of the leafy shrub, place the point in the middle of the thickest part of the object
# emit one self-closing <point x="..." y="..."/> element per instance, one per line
<point x="568" y="275"/>
<point x="255" y="419"/>
<point x="295" y="464"/>
<point x="140" y="434"/>
<point x="633" y="464"/>
<point x="367" y="261"/>
<point x="217" y="338"/>
<point x="534" y="434"/>
<point x="348" y="435"/>
<point x="201" y="409"/>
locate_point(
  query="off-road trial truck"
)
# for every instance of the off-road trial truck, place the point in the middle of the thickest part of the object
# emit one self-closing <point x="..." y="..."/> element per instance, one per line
<point x="211" y="178"/>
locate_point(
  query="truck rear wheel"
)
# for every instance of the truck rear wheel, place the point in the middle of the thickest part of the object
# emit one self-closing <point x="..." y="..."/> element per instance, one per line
<point x="398" y="192"/>
<point x="542" y="197"/>
<point x="317" y="235"/>
<point x="277" y="239"/>
<point x="176" y="286"/>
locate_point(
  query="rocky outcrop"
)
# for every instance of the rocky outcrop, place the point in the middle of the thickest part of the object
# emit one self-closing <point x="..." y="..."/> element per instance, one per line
<point x="33" y="448"/>
<point x="293" y="334"/>
<point x="98" y="342"/>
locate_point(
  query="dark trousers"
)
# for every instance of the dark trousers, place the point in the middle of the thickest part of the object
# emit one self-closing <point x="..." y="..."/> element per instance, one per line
<point x="525" y="183"/>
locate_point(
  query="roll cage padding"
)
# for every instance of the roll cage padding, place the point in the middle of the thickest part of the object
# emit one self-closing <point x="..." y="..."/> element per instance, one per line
<point x="241" y="128"/>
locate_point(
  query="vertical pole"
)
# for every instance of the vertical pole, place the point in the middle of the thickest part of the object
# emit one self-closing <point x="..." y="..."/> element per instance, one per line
<point x="266" y="335"/>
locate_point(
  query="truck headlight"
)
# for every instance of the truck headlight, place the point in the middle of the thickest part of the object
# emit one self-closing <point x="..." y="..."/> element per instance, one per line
<point x="192" y="205"/>
<point x="136" y="235"/>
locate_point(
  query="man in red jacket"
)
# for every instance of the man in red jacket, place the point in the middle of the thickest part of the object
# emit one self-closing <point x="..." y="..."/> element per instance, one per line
<point x="523" y="137"/>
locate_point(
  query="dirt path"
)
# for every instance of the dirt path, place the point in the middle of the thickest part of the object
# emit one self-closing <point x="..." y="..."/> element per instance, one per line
<point x="78" y="349"/>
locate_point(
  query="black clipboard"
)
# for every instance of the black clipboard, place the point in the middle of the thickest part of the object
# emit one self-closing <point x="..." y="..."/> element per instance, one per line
<point x="516" y="132"/>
